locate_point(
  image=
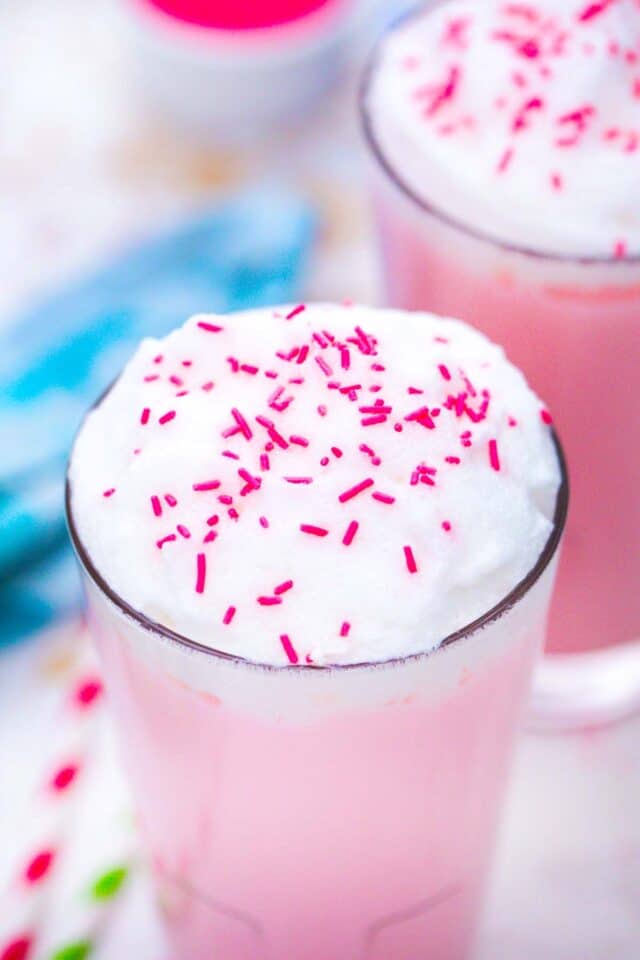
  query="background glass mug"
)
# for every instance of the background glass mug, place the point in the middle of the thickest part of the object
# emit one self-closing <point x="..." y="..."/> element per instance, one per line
<point x="573" y="326"/>
<point x="315" y="812"/>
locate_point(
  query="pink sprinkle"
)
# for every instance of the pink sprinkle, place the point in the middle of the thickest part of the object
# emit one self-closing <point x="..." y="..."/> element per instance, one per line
<point x="410" y="560"/>
<point x="109" y="493"/>
<point x="209" y="327"/>
<point x="322" y="410"/>
<point x="299" y="441"/>
<point x="271" y="374"/>
<point x="264" y="461"/>
<point x="269" y="601"/>
<point x="444" y="371"/>
<point x="288" y="647"/>
<point x="344" y="629"/>
<point x="315" y="531"/>
<point x="620" y="250"/>
<point x="494" y="459"/>
<point x="242" y="423"/>
<point x="63" y="778"/>
<point x="273" y="433"/>
<point x="355" y="490"/>
<point x="183" y="531"/>
<point x="383" y="497"/>
<point x="144" y="416"/>
<point x="158" y="359"/>
<point x="304" y="352"/>
<point x="421" y="416"/>
<point x="505" y="160"/>
<point x="209" y="537"/>
<point x="514" y="423"/>
<point x="251" y="482"/>
<point x="206" y="485"/>
<point x="378" y="367"/>
<point x="230" y="455"/>
<point x="39" y="866"/>
<point x="345" y="358"/>
<point x="593" y="10"/>
<point x="324" y="461"/>
<point x="168" y="539"/>
<point x="201" y="572"/>
<point x="213" y="520"/>
<point x="298" y="480"/>
<point x="207" y="386"/>
<point x="170" y="500"/>
<point x="264" y="522"/>
<point x="337" y="452"/>
<point x="556" y="181"/>
<point x="546" y="417"/>
<point x="229" y="615"/>
<point x="324" y="366"/>
<point x="233" y="514"/>
<point x="452" y="459"/>
<point x="249" y="368"/>
<point x="176" y="381"/>
<point x="373" y="421"/>
<point x="352" y="529"/>
<point x="167" y="417"/>
<point x="283" y="587"/>
<point x="151" y="378"/>
<point x="295" y="312"/>
<point x="187" y="363"/>
<point x="156" y="506"/>
<point x="446" y="526"/>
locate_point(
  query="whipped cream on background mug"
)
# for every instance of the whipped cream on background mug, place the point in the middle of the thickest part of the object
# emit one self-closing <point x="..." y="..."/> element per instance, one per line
<point x="506" y="141"/>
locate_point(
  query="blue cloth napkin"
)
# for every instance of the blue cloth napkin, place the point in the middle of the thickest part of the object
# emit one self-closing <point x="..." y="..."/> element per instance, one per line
<point x="59" y="355"/>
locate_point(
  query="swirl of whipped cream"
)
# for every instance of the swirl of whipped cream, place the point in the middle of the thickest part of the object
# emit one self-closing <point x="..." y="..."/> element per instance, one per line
<point x="319" y="484"/>
<point x="519" y="119"/>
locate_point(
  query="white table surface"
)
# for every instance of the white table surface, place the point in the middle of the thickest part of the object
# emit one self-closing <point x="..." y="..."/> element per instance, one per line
<point x="84" y="166"/>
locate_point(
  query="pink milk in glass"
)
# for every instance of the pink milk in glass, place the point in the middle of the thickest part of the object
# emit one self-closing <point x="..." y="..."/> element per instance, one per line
<point x="572" y="323"/>
<point x="318" y="797"/>
<point x="313" y="813"/>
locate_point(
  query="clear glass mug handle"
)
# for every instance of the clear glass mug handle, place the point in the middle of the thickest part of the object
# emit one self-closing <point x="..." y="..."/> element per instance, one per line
<point x="577" y="690"/>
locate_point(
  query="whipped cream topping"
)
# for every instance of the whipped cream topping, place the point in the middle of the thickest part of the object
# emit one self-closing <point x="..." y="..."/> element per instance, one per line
<point x="521" y="120"/>
<point x="317" y="484"/>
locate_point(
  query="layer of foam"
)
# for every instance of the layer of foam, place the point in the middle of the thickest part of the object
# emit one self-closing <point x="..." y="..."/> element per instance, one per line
<point x="521" y="120"/>
<point x="319" y="484"/>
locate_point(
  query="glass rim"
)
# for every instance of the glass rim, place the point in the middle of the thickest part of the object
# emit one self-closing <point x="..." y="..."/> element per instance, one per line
<point x="428" y="206"/>
<point x="498" y="610"/>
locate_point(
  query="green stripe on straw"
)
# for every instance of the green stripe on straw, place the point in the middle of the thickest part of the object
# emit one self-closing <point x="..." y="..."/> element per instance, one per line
<point x="74" y="951"/>
<point x="109" y="884"/>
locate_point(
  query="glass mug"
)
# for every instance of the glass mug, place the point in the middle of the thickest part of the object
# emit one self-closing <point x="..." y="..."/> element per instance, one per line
<point x="313" y="812"/>
<point x="572" y="324"/>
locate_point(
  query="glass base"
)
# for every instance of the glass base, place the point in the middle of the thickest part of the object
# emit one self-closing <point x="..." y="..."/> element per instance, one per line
<point x="577" y="690"/>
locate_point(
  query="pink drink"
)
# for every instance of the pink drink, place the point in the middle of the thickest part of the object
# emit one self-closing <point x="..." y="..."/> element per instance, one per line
<point x="569" y="319"/>
<point x="347" y="813"/>
<point x="575" y="328"/>
<point x="318" y="552"/>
